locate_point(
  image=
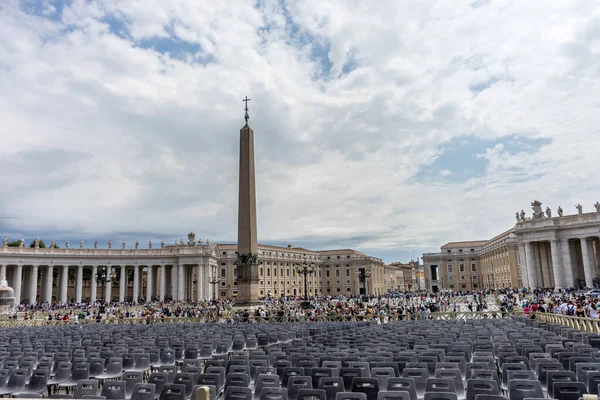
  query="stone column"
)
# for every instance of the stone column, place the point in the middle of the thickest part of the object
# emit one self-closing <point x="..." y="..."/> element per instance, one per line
<point x="48" y="284"/>
<point x="149" y="284"/>
<point x="200" y="278"/>
<point x="17" y="282"/>
<point x="79" y="284"/>
<point x="108" y="289"/>
<point x="559" y="279"/>
<point x="123" y="283"/>
<point x="33" y="284"/>
<point x="2" y="272"/>
<point x="522" y="267"/>
<point x="174" y="281"/>
<point x="181" y="295"/>
<point x="93" y="285"/>
<point x="136" y="283"/>
<point x="531" y="269"/>
<point x="588" y="269"/>
<point x="64" y="284"/>
<point x="163" y="282"/>
<point x="567" y="264"/>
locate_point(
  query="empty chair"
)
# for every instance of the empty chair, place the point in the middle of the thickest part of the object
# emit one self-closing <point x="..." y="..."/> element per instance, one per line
<point x="392" y="395"/>
<point x="517" y="374"/>
<point x="583" y="368"/>
<point x="62" y="374"/>
<point x="142" y="362"/>
<point x="114" y="369"/>
<point x="348" y="374"/>
<point x="420" y="376"/>
<point x="238" y="393"/>
<point x="351" y="396"/>
<point x="318" y="373"/>
<point x="170" y="370"/>
<point x="510" y="367"/>
<point x="332" y="386"/>
<point x="271" y="393"/>
<point x="143" y="391"/>
<point x="60" y="396"/>
<point x="440" y="396"/>
<point x="291" y="371"/>
<point x="296" y="383"/>
<point x="265" y="380"/>
<point x="481" y="386"/>
<point x="28" y="396"/>
<point x="440" y="385"/>
<point x="240" y="380"/>
<point x="172" y="391"/>
<point x="131" y="378"/>
<point x="15" y="383"/>
<point x="382" y="374"/>
<point x="485" y="374"/>
<point x="81" y="371"/>
<point x="220" y="371"/>
<point x="592" y="382"/>
<point x="368" y="386"/>
<point x="113" y="390"/>
<point x="311" y="394"/>
<point x="86" y="387"/>
<point x="563" y="390"/>
<point x="519" y="389"/>
<point x="38" y="384"/>
<point x="403" y="384"/>
<point x="555" y="376"/>
<point x="455" y="375"/>
<point x="187" y="380"/>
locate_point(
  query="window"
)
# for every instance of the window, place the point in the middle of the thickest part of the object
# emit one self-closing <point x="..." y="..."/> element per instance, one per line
<point x="347" y="256"/>
<point x="337" y="273"/>
<point x="223" y="264"/>
<point x="347" y="271"/>
<point x="450" y="268"/>
<point x="475" y="278"/>
<point x="472" y="250"/>
<point x="462" y="267"/>
<point x="274" y="271"/>
<point x="338" y="257"/>
<point x="223" y="294"/>
<point x="268" y="271"/>
<point x="261" y="271"/>
<point x="339" y="290"/>
<point x="223" y="283"/>
<point x="463" y="278"/>
<point x="281" y="272"/>
<point x="451" y="277"/>
<point x="464" y="286"/>
<point x="223" y="273"/>
<point x="327" y="273"/>
<point x="262" y="283"/>
<point x="224" y="253"/>
<point x="287" y="272"/>
<point x="347" y="289"/>
<point x="473" y="267"/>
<point x="448" y="251"/>
<point x="451" y="286"/>
<point x="460" y="250"/>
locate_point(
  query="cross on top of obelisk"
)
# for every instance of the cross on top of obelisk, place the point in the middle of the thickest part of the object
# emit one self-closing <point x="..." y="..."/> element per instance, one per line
<point x="246" y="117"/>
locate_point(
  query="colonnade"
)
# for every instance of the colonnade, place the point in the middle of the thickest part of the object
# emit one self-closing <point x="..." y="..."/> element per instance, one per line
<point x="37" y="282"/>
<point x="561" y="263"/>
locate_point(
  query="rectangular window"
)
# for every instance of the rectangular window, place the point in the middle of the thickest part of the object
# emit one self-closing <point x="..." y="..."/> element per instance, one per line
<point x="268" y="271"/>
<point x="347" y="271"/>
<point x="462" y="267"/>
<point x="327" y="273"/>
<point x="287" y="272"/>
<point x="451" y="277"/>
<point x="450" y="269"/>
<point x="223" y="273"/>
<point x="463" y="286"/>
<point x="475" y="278"/>
<point x="451" y="286"/>
<point x="261" y="271"/>
<point x="463" y="278"/>
<point x="473" y="267"/>
<point x="337" y="273"/>
<point x="281" y="271"/>
<point x="274" y="271"/>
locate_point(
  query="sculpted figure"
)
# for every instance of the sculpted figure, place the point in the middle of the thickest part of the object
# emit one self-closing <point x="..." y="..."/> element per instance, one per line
<point x="67" y="244"/>
<point x="517" y="217"/>
<point x="191" y="239"/>
<point x="150" y="244"/>
<point x="537" y="209"/>
<point x="137" y="245"/>
<point x="5" y="242"/>
<point x="52" y="244"/>
<point x="162" y="244"/>
<point x="182" y="243"/>
<point x="597" y="205"/>
<point x="110" y="244"/>
<point x="548" y="212"/>
<point x="522" y="215"/>
<point x="560" y="211"/>
<point x="96" y="244"/>
<point x="579" y="209"/>
<point x="123" y="245"/>
<point x="36" y="243"/>
<point x="22" y="244"/>
<point x="81" y="244"/>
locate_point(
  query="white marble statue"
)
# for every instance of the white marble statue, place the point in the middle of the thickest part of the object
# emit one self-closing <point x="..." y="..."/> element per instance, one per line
<point x="81" y="244"/>
<point x="150" y="244"/>
<point x="36" y="243"/>
<point x="123" y="244"/>
<point x="536" y="206"/>
<point x="53" y="244"/>
<point x="96" y="244"/>
<point x="517" y="217"/>
<point x="67" y="244"/>
<point x="22" y="243"/>
<point x="182" y="243"/>
<point x="5" y="242"/>
<point x="192" y="239"/>
<point x="560" y="211"/>
<point x="176" y="243"/>
<point x="522" y="216"/>
<point x="548" y="212"/>
<point x="110" y="244"/>
<point x="597" y="205"/>
<point x="200" y="242"/>
<point x="162" y="244"/>
<point x="579" y="209"/>
<point x="137" y="244"/>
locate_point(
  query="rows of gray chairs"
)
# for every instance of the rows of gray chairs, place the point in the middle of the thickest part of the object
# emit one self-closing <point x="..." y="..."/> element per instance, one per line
<point x="493" y="359"/>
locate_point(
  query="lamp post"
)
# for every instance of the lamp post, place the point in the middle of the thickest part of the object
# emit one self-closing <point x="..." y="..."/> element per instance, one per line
<point x="194" y="288"/>
<point x="213" y="281"/>
<point x="105" y="279"/>
<point x="305" y="269"/>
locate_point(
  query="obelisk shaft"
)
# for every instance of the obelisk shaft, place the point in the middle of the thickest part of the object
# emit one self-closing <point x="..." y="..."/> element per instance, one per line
<point x="247" y="194"/>
<point x="247" y="273"/>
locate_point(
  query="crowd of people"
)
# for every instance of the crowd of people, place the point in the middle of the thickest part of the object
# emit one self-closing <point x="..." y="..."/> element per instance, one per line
<point x="416" y="305"/>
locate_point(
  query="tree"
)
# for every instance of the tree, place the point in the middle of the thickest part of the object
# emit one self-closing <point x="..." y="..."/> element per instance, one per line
<point x="14" y="243"/>
<point x="42" y="244"/>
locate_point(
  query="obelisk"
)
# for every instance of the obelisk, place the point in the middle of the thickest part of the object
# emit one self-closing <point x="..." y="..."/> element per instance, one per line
<point x="247" y="261"/>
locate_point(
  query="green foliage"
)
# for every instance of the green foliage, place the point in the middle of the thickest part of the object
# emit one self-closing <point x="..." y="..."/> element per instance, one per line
<point x="14" y="243"/>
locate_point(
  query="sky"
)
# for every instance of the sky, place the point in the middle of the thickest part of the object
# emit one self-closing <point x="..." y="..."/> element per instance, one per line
<point x="390" y="127"/>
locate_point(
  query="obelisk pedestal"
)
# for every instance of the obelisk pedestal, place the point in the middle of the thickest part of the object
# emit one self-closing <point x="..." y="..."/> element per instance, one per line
<point x="247" y="262"/>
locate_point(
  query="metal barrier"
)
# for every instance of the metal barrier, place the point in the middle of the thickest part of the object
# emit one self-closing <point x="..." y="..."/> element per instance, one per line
<point x="438" y="316"/>
<point x="580" y="323"/>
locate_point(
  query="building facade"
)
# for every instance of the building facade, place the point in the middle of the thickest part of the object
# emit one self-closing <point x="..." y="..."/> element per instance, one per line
<point x="538" y="251"/>
<point x="184" y="272"/>
<point x="403" y="277"/>
<point x="456" y="267"/>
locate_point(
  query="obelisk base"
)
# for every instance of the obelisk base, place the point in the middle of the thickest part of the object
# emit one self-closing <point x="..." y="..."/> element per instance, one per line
<point x="248" y="286"/>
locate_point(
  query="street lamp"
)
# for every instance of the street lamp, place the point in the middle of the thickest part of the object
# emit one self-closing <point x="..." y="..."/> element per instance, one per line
<point x="363" y="274"/>
<point x="194" y="288"/>
<point x="305" y="269"/>
<point x="213" y="281"/>
<point x="104" y="278"/>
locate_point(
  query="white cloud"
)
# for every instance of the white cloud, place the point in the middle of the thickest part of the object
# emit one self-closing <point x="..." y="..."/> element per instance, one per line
<point x="102" y="134"/>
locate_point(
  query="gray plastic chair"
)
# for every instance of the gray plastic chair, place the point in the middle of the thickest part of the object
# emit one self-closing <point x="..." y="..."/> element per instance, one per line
<point x="171" y="391"/>
<point x="439" y="385"/>
<point x="520" y="389"/>
<point x="555" y="376"/>
<point x="311" y="394"/>
<point x="568" y="390"/>
<point x="238" y="393"/>
<point x="350" y="396"/>
<point x="131" y="378"/>
<point x="369" y="386"/>
<point x="143" y="391"/>
<point x="113" y="390"/>
<point x="456" y="376"/>
<point x="481" y="386"/>
<point x="403" y="384"/>
<point x="296" y="383"/>
<point x="392" y="395"/>
<point x="332" y="386"/>
<point x="263" y="381"/>
<point x="440" y="396"/>
<point x="16" y="382"/>
<point x="271" y="393"/>
<point x="86" y="387"/>
<point x="420" y="376"/>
